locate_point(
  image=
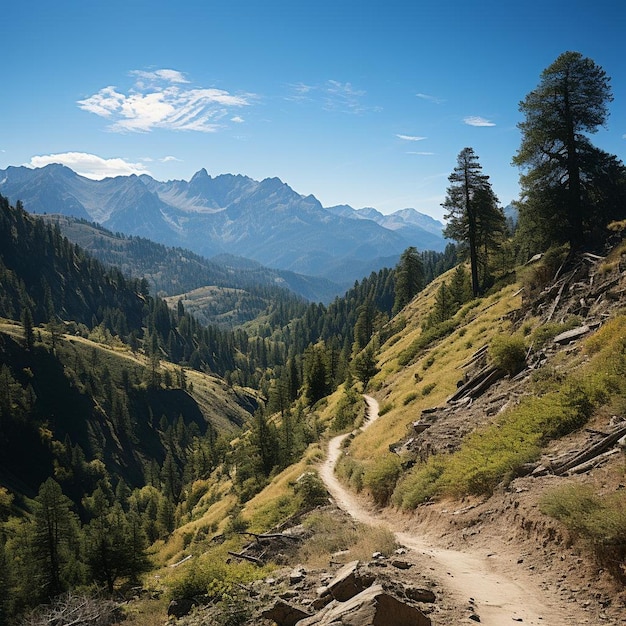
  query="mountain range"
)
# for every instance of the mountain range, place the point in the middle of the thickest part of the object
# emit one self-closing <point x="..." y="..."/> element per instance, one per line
<point x="265" y="221"/>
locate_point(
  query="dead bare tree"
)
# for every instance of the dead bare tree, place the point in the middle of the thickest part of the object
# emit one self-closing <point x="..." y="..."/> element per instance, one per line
<point x="74" y="609"/>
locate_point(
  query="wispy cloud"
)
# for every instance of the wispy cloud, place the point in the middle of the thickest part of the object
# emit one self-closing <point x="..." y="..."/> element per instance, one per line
<point x="421" y="153"/>
<point x="343" y="97"/>
<point x="90" y="165"/>
<point x="476" y="120"/>
<point x="162" y="99"/>
<point x="300" y="91"/>
<point x="171" y="76"/>
<point x="332" y="95"/>
<point x="169" y="159"/>
<point x="237" y="119"/>
<point x="429" y="98"/>
<point x="411" y="137"/>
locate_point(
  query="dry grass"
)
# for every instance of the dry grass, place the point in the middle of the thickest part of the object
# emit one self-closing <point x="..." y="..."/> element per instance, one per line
<point x="277" y="500"/>
<point x="146" y="612"/>
<point x="342" y="539"/>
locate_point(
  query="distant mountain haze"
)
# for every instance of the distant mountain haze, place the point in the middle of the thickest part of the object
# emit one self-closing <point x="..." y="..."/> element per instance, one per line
<point x="266" y="221"/>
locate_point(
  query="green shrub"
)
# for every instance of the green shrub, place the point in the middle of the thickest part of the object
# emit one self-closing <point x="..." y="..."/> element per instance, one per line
<point x="351" y="472"/>
<point x="427" y="337"/>
<point x="545" y="333"/>
<point x="311" y="490"/>
<point x="210" y="574"/>
<point x="508" y="352"/>
<point x="236" y="524"/>
<point x="385" y="408"/>
<point x="382" y="477"/>
<point x="428" y="362"/>
<point x="600" y="521"/>
<point x="409" y="398"/>
<point x="421" y="485"/>
<point x="428" y="388"/>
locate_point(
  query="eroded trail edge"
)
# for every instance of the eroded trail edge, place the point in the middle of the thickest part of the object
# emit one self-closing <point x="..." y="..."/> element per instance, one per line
<point x="462" y="576"/>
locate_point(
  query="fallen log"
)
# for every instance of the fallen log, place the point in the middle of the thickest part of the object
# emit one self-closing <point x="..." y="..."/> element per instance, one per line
<point x="479" y="353"/>
<point x="260" y="537"/>
<point x="591" y="452"/>
<point x="246" y="557"/>
<point x="585" y="467"/>
<point x="469" y="389"/>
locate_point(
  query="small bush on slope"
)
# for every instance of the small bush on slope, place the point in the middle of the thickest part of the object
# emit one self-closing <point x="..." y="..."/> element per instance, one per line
<point x="382" y="477"/>
<point x="508" y="352"/>
<point x="597" y="520"/>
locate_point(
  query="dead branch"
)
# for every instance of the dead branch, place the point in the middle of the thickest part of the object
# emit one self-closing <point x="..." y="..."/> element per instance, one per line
<point x="479" y="353"/>
<point x="585" y="467"/>
<point x="591" y="452"/>
<point x="269" y="536"/>
<point x="246" y="557"/>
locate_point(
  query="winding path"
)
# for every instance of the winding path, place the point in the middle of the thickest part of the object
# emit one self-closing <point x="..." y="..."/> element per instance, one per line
<point x="498" y="598"/>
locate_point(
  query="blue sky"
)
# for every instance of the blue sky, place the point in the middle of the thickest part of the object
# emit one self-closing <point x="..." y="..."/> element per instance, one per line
<point x="366" y="103"/>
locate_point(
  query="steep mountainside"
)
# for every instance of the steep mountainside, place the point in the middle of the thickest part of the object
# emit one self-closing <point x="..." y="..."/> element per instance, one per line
<point x="172" y="271"/>
<point x="79" y="399"/>
<point x="266" y="221"/>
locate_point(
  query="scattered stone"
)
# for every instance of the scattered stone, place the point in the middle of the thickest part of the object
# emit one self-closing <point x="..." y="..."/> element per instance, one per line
<point x="418" y="594"/>
<point x="297" y="575"/>
<point x="401" y="564"/>
<point x="474" y="617"/>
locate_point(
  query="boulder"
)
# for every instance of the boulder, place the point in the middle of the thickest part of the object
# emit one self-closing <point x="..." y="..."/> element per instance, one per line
<point x="347" y="583"/>
<point x="371" y="607"/>
<point x="570" y="335"/>
<point x="284" y="614"/>
<point x="297" y="575"/>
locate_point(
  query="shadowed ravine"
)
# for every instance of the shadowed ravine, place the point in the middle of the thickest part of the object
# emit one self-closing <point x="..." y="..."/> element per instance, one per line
<point x="499" y="598"/>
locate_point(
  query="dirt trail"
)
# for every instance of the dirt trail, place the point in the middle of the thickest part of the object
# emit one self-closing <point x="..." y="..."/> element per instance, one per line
<point x="499" y="595"/>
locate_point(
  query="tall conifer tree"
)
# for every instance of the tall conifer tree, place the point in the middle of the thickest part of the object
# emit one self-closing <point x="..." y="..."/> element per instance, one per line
<point x="472" y="209"/>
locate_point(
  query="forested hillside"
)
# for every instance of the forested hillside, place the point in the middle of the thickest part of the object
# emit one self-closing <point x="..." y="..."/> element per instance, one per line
<point x="172" y="271"/>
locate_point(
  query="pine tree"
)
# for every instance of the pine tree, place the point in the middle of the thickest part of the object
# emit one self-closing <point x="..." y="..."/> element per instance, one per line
<point x="55" y="536"/>
<point x="365" y="366"/>
<point x="409" y="278"/>
<point x="563" y="171"/>
<point x="29" y="333"/>
<point x="472" y="210"/>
